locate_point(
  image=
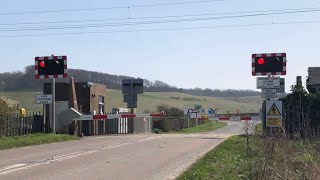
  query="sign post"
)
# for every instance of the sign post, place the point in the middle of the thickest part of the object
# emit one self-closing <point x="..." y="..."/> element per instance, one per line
<point x="130" y="89"/>
<point x="270" y="65"/>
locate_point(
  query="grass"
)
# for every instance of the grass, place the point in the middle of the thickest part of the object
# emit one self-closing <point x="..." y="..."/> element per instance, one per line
<point x="266" y="158"/>
<point x="33" y="139"/>
<point x="149" y="101"/>
<point x="226" y="161"/>
<point x="258" y="128"/>
<point x="206" y="127"/>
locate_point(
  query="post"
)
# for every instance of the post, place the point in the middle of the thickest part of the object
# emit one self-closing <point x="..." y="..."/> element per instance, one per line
<point x="44" y="118"/>
<point x="132" y="108"/>
<point x="188" y="122"/>
<point x="53" y="105"/>
<point x="197" y="122"/>
<point x="150" y="118"/>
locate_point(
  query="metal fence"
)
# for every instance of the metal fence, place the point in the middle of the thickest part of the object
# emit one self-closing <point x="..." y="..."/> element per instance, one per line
<point x="14" y="125"/>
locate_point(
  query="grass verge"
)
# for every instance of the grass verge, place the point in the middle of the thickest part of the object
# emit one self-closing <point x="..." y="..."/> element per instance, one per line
<point x="264" y="158"/>
<point x="226" y="161"/>
<point x="207" y="126"/>
<point x="33" y="139"/>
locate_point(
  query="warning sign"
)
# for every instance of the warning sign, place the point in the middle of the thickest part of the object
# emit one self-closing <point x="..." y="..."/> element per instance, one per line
<point x="274" y="111"/>
<point x="274" y="114"/>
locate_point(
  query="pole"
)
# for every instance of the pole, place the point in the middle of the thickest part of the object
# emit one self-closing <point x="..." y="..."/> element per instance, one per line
<point x="54" y="105"/>
<point x="188" y="122"/>
<point x="197" y="122"/>
<point x="132" y="107"/>
<point x="44" y="118"/>
<point x="150" y="124"/>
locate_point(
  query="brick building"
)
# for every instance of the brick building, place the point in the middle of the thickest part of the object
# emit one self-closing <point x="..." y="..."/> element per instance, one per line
<point x="90" y="100"/>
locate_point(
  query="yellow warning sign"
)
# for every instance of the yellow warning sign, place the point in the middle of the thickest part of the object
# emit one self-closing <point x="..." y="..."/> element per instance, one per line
<point x="274" y="111"/>
<point x="274" y="122"/>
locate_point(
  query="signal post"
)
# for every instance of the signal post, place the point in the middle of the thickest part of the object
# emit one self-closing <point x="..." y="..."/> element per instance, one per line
<point x="51" y="67"/>
<point x="270" y="66"/>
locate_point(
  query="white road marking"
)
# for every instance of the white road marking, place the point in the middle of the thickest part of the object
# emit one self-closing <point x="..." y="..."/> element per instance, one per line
<point x="22" y="166"/>
<point x="11" y="167"/>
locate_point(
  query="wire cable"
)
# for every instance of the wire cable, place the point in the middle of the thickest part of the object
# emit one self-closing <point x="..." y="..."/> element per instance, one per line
<point x="153" y="17"/>
<point x="153" y="22"/>
<point x="109" y="8"/>
<point x="163" y="29"/>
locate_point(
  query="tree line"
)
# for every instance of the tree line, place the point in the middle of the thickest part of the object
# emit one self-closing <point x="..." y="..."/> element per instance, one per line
<point x="25" y="81"/>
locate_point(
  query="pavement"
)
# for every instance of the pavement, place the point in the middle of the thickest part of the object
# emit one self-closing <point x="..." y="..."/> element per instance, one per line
<point x="139" y="156"/>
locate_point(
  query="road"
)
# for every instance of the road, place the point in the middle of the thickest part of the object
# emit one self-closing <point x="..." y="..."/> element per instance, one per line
<point x="141" y="156"/>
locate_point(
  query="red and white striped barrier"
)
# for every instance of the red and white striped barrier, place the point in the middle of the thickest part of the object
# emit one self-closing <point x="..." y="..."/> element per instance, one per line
<point x="238" y="118"/>
<point x="115" y="116"/>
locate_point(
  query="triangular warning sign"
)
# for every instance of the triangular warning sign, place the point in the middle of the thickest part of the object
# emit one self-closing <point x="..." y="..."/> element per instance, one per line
<point x="274" y="111"/>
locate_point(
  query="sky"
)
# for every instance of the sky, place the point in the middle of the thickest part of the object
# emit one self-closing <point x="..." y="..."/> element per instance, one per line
<point x="185" y="43"/>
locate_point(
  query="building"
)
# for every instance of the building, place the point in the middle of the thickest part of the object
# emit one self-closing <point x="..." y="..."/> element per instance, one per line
<point x="90" y="99"/>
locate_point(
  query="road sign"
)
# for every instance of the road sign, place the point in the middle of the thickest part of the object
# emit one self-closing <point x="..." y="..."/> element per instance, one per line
<point x="192" y="111"/>
<point x="50" y="67"/>
<point x="130" y="97"/>
<point x="274" y="113"/>
<point x="269" y="93"/>
<point x="203" y="110"/>
<point x="44" y="99"/>
<point x="194" y="107"/>
<point x="269" y="64"/>
<point x="211" y="113"/>
<point x="132" y="86"/>
<point x="268" y="82"/>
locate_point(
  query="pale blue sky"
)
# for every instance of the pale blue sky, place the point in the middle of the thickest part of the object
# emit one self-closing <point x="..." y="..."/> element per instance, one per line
<point x="205" y="58"/>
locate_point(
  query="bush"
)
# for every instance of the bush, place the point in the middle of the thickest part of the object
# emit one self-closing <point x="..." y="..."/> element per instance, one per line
<point x="173" y="119"/>
<point x="5" y="113"/>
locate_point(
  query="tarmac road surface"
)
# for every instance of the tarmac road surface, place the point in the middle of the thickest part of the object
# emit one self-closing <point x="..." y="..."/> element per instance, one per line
<point x="141" y="156"/>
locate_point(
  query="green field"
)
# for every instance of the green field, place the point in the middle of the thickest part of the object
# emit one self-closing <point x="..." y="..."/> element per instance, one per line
<point x="24" y="99"/>
<point x="150" y="100"/>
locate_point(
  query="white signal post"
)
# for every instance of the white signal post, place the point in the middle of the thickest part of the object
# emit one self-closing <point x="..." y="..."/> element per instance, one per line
<point x="40" y="63"/>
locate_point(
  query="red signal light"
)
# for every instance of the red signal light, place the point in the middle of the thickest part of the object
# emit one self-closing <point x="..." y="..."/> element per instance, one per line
<point x="260" y="61"/>
<point x="42" y="64"/>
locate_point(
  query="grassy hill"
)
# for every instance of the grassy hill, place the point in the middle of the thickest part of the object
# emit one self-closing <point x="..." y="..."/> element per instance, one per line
<point x="150" y="100"/>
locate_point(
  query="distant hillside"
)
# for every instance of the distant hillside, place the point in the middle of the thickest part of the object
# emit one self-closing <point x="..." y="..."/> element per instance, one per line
<point x="150" y="100"/>
<point x="24" y="81"/>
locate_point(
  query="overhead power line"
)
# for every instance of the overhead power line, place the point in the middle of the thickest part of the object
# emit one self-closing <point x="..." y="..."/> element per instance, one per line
<point x="109" y="8"/>
<point x="163" y="29"/>
<point x="153" y="22"/>
<point x="156" y="17"/>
